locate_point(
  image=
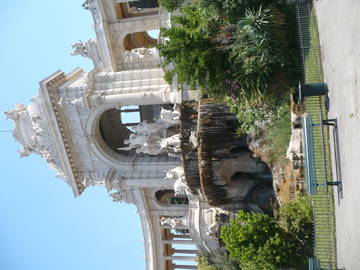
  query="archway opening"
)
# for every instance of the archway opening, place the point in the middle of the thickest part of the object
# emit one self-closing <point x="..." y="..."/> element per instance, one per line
<point x="116" y="125"/>
<point x="140" y="40"/>
<point x="143" y="4"/>
<point x="167" y="197"/>
<point x="136" y="9"/>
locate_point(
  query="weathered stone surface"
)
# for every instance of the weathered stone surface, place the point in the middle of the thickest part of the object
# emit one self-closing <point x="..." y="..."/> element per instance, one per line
<point x="222" y="169"/>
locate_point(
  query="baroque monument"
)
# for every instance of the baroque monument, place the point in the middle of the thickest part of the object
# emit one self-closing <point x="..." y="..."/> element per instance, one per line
<point x="183" y="190"/>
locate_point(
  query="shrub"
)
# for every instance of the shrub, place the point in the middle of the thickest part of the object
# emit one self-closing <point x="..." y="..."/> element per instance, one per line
<point x="296" y="218"/>
<point x="170" y="5"/>
<point x="261" y="53"/>
<point x="277" y="135"/>
<point x="211" y="53"/>
<point x="188" y="46"/>
<point x="258" y="112"/>
<point x="217" y="261"/>
<point x="234" y="9"/>
<point x="259" y="242"/>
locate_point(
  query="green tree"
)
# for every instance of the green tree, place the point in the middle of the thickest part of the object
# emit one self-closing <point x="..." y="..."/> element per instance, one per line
<point x="189" y="47"/>
<point x="170" y="5"/>
<point x="258" y="242"/>
<point x="217" y="261"/>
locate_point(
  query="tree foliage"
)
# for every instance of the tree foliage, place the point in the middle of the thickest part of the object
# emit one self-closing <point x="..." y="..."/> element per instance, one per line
<point x="261" y="242"/>
<point x="217" y="261"/>
<point x="170" y="5"/>
<point x="188" y="46"/>
<point x="246" y="52"/>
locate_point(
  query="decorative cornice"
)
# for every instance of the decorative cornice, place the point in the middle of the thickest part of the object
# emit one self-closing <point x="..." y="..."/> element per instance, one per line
<point x="54" y="111"/>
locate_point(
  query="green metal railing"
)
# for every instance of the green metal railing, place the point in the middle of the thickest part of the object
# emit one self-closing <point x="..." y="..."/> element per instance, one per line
<point x="323" y="200"/>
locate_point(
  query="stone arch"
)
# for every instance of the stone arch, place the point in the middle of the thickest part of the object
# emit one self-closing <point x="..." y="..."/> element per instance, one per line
<point x="112" y="129"/>
<point x="138" y="40"/>
<point x="136" y="9"/>
<point x="130" y="26"/>
<point x="167" y="197"/>
<point x="117" y="159"/>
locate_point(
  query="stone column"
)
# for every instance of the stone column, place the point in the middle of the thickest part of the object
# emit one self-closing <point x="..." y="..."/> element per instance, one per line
<point x="182" y="236"/>
<point x="180" y="242"/>
<point x="178" y="266"/>
<point x="183" y="251"/>
<point x="180" y="258"/>
<point x="180" y="227"/>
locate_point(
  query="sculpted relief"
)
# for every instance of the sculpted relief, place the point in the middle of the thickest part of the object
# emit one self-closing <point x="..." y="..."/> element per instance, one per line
<point x="140" y="54"/>
<point x="150" y="138"/>
<point x="32" y="132"/>
<point x="89" y="49"/>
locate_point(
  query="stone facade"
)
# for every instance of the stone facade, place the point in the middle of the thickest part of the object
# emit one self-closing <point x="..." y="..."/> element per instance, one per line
<point x="75" y="124"/>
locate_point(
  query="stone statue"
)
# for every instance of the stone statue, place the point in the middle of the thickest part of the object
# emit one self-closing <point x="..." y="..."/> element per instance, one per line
<point x="143" y="143"/>
<point x="138" y="54"/>
<point x="32" y="131"/>
<point x="86" y="5"/>
<point x="119" y="196"/>
<point x="89" y="49"/>
<point x="92" y="182"/>
<point x="171" y="144"/>
<point x="150" y="128"/>
<point x="174" y="222"/>
<point x="193" y="139"/>
<point x="178" y="175"/>
<point x="150" y="138"/>
<point x="170" y="117"/>
<point x="80" y="49"/>
<point x="15" y="114"/>
<point x="212" y="221"/>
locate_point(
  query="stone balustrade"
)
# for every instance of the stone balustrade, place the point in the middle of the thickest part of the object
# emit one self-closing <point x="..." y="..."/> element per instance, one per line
<point x="175" y="233"/>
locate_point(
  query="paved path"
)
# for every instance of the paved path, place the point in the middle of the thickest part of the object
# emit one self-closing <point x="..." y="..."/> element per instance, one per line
<point x="339" y="27"/>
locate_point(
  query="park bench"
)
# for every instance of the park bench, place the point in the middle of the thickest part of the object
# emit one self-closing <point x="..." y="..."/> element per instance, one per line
<point x="314" y="264"/>
<point x="310" y="156"/>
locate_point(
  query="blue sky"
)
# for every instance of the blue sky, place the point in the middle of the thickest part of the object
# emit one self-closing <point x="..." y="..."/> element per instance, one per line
<point x="42" y="226"/>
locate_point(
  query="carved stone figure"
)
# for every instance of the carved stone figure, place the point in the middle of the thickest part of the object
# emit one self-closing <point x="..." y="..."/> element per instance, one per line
<point x="119" y="195"/>
<point x="178" y="175"/>
<point x="15" y="114"/>
<point x="174" y="222"/>
<point x="80" y="49"/>
<point x="86" y="5"/>
<point x="171" y="144"/>
<point x="193" y="139"/>
<point x="88" y="49"/>
<point x="170" y="117"/>
<point x="140" y="54"/>
<point x="212" y="221"/>
<point x="91" y="182"/>
<point x="150" y="138"/>
<point x="32" y="131"/>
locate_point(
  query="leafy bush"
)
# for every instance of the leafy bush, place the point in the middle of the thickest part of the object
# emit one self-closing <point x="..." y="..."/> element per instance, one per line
<point x="257" y="112"/>
<point x="209" y="52"/>
<point x="277" y="135"/>
<point x="217" y="261"/>
<point x="261" y="53"/>
<point x="261" y="242"/>
<point x="197" y="62"/>
<point x="233" y="10"/>
<point x="170" y="5"/>
<point x="296" y="218"/>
